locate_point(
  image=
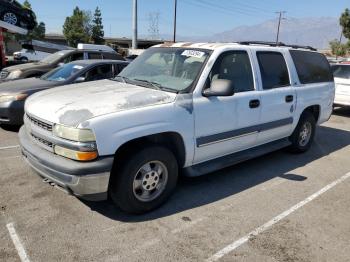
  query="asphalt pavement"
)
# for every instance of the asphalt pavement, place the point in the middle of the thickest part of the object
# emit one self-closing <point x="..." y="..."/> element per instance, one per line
<point x="278" y="207"/>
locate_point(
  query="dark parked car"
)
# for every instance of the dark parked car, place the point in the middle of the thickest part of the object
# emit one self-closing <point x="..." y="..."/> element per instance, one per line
<point x="50" y="62"/>
<point x="14" y="93"/>
<point x="14" y="13"/>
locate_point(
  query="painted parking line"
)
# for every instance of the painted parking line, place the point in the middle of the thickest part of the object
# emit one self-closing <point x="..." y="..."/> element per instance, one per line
<point x="234" y="245"/>
<point x="17" y="242"/>
<point x="9" y="147"/>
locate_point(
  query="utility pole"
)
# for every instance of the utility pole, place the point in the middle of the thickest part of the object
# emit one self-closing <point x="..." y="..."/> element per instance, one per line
<point x="134" y="24"/>
<point x="175" y="10"/>
<point x="279" y="24"/>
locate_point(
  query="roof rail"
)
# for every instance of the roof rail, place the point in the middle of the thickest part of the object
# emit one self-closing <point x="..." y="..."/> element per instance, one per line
<point x="276" y="44"/>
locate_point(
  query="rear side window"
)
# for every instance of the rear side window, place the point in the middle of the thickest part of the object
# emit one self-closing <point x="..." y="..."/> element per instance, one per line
<point x="273" y="69"/>
<point x="311" y="67"/>
<point x="95" y="56"/>
<point x="99" y="72"/>
<point x="112" y="56"/>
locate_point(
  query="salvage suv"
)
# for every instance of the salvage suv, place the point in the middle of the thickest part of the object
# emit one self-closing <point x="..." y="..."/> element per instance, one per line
<point x="178" y="108"/>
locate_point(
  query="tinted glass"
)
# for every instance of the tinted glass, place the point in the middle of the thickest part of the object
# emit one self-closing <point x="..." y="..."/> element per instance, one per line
<point x="99" y="72"/>
<point x="113" y="56"/>
<point x="312" y="67"/>
<point x="120" y="67"/>
<point x="95" y="56"/>
<point x="341" y="71"/>
<point x="273" y="69"/>
<point x="234" y="66"/>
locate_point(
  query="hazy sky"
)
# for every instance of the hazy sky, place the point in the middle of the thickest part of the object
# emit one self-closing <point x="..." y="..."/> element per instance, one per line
<point x="195" y="17"/>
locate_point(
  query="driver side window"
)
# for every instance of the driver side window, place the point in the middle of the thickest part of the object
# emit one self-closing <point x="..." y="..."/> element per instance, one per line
<point x="234" y="66"/>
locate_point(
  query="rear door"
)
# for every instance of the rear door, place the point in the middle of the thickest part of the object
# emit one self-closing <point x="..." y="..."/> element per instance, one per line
<point x="278" y="97"/>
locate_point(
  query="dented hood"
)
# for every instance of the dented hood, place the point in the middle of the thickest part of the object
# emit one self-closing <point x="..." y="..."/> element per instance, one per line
<point x="73" y="104"/>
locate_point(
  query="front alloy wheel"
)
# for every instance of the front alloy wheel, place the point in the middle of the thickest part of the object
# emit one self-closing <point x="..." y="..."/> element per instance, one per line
<point x="150" y="181"/>
<point x="10" y="18"/>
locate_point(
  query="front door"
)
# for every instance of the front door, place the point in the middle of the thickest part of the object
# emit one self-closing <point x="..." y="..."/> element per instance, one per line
<point x="224" y="125"/>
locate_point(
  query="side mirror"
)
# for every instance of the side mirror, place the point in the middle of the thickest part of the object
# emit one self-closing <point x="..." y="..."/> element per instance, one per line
<point x="80" y="79"/>
<point x="220" y="87"/>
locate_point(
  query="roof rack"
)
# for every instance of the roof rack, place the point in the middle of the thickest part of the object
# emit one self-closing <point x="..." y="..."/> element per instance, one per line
<point x="276" y="44"/>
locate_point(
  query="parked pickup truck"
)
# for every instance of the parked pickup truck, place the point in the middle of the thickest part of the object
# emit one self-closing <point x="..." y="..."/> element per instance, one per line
<point x="178" y="108"/>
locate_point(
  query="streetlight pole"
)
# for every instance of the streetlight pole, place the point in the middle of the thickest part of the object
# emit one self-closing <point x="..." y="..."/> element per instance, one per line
<point x="175" y="11"/>
<point x="134" y="24"/>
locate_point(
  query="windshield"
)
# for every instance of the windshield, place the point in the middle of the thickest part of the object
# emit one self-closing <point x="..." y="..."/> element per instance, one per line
<point x="172" y="69"/>
<point x="54" y="58"/>
<point x="62" y="73"/>
<point x="341" y="71"/>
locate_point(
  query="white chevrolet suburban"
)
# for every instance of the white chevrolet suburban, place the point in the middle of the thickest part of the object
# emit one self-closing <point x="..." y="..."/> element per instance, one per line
<point x="178" y="108"/>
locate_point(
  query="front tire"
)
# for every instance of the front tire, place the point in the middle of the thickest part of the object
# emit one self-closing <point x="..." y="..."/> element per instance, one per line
<point x="144" y="179"/>
<point x="303" y="134"/>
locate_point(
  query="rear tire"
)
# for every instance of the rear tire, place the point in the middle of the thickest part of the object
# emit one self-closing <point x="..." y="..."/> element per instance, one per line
<point x="144" y="179"/>
<point x="303" y="134"/>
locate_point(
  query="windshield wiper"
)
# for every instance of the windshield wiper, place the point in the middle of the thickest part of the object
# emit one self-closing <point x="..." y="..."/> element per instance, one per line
<point x="153" y="84"/>
<point x="122" y="78"/>
<point x="157" y="86"/>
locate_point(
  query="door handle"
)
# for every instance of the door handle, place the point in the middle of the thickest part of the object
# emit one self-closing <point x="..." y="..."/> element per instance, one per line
<point x="289" y="98"/>
<point x="254" y="103"/>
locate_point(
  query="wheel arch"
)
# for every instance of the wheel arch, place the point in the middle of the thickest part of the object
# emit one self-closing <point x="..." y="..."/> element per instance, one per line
<point x="314" y="110"/>
<point x="171" y="140"/>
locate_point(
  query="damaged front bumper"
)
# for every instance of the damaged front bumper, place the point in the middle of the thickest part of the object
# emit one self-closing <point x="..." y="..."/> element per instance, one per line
<point x="87" y="180"/>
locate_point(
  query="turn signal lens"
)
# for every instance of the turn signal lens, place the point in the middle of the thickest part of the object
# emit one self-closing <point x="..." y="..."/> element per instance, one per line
<point x="76" y="155"/>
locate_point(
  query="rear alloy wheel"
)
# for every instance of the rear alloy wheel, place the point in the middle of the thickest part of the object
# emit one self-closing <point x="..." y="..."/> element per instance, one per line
<point x="10" y="18"/>
<point x="304" y="133"/>
<point x="144" y="179"/>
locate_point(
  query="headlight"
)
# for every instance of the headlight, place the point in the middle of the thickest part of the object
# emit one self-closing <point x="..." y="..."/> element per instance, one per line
<point x="74" y="134"/>
<point x="14" y="97"/>
<point x="14" y="74"/>
<point x="76" y="155"/>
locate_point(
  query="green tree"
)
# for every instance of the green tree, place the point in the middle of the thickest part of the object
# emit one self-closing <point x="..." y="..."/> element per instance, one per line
<point x="77" y="27"/>
<point x="337" y="48"/>
<point x="27" y="5"/>
<point x="344" y="21"/>
<point x="97" y="32"/>
<point x="38" y="32"/>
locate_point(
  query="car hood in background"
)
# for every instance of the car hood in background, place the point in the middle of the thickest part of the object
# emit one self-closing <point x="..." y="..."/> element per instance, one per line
<point x="73" y="104"/>
<point x="25" y="85"/>
<point x="27" y="66"/>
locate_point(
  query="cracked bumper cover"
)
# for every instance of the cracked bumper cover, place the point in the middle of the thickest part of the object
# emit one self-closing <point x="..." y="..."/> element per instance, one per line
<point x="87" y="180"/>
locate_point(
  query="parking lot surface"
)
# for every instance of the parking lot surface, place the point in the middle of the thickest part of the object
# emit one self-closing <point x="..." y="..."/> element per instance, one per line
<point x="203" y="217"/>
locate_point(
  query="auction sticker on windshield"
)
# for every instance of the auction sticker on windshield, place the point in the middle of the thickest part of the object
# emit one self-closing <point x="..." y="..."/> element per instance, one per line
<point x="193" y="53"/>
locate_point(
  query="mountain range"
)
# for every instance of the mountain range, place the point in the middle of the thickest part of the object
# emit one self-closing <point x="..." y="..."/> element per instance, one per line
<point x="313" y="31"/>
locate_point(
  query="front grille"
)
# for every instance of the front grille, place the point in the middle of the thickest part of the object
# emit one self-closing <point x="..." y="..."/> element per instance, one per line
<point x="43" y="141"/>
<point x="40" y="123"/>
<point x="4" y="74"/>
